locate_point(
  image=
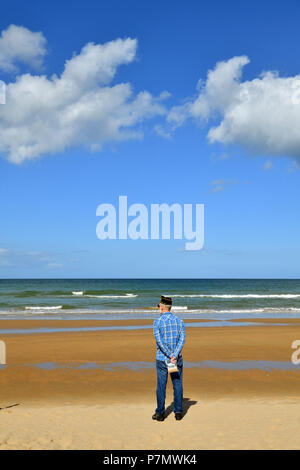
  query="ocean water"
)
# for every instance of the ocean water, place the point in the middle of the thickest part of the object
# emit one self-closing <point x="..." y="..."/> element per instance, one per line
<point x="217" y="299"/>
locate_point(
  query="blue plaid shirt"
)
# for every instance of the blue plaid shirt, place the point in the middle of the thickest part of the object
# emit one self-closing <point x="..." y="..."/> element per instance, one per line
<point x="169" y="332"/>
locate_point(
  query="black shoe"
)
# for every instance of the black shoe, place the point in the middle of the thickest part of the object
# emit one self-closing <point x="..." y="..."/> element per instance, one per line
<point x="158" y="417"/>
<point x="178" y="416"/>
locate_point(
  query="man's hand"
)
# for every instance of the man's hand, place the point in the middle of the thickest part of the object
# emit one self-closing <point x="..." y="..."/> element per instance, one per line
<point x="173" y="360"/>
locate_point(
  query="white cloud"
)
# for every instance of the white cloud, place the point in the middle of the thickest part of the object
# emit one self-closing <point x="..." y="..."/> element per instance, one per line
<point x="220" y="185"/>
<point x="294" y="166"/>
<point x="80" y="107"/>
<point x="217" y="188"/>
<point x="261" y="115"/>
<point x="268" y="165"/>
<point x="216" y="157"/>
<point x="160" y="130"/>
<point x="54" y="266"/>
<point x="13" y="258"/>
<point x="19" y="44"/>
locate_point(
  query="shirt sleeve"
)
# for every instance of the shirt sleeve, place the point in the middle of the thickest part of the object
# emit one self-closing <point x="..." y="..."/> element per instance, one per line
<point x="163" y="347"/>
<point x="181" y="340"/>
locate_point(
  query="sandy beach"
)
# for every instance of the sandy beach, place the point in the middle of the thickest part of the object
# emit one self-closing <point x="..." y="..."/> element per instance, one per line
<point x="96" y="389"/>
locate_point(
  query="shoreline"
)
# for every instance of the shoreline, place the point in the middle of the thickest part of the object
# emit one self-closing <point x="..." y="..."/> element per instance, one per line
<point x="31" y="323"/>
<point x="27" y="323"/>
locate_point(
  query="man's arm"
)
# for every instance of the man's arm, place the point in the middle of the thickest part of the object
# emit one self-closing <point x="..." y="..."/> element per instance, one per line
<point x="159" y="341"/>
<point x="180" y="342"/>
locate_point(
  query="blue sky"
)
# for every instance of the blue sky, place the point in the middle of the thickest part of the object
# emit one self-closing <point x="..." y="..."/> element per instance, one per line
<point x="229" y="141"/>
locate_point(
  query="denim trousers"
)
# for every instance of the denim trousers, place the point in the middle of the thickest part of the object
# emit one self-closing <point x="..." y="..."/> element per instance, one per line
<point x="162" y="379"/>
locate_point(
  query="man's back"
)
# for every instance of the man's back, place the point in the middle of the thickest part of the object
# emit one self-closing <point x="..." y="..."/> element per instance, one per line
<point x="169" y="332"/>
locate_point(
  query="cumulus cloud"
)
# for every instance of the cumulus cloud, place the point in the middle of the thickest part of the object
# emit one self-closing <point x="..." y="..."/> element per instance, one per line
<point x="80" y="107"/>
<point x="19" y="44"/>
<point x="260" y="115"/>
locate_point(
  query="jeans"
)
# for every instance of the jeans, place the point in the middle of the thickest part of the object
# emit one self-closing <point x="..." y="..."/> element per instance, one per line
<point x="162" y="378"/>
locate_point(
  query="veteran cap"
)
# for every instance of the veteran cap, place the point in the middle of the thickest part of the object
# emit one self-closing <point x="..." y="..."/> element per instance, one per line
<point x="165" y="300"/>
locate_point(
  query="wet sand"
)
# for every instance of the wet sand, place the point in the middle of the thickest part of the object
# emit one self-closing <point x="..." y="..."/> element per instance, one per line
<point x="29" y="324"/>
<point x="72" y="407"/>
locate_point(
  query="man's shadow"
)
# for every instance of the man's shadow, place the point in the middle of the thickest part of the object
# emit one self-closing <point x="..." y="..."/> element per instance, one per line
<point x="186" y="404"/>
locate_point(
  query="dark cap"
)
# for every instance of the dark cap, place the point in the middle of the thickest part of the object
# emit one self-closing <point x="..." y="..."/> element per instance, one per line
<point x="165" y="300"/>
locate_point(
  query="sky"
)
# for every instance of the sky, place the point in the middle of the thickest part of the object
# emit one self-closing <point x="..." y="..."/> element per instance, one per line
<point x="165" y="102"/>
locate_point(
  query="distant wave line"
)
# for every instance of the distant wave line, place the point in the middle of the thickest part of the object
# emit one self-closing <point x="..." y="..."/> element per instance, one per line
<point x="239" y="296"/>
<point x="39" y="307"/>
<point x="104" y="296"/>
<point x="184" y="309"/>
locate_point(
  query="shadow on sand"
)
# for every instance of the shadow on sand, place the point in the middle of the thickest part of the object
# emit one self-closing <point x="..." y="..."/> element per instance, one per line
<point x="10" y="406"/>
<point x="186" y="404"/>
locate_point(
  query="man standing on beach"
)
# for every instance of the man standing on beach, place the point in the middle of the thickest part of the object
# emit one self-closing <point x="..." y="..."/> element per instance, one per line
<point x="169" y="333"/>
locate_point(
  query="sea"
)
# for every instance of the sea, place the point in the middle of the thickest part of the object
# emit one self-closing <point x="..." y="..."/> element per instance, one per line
<point x="113" y="299"/>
